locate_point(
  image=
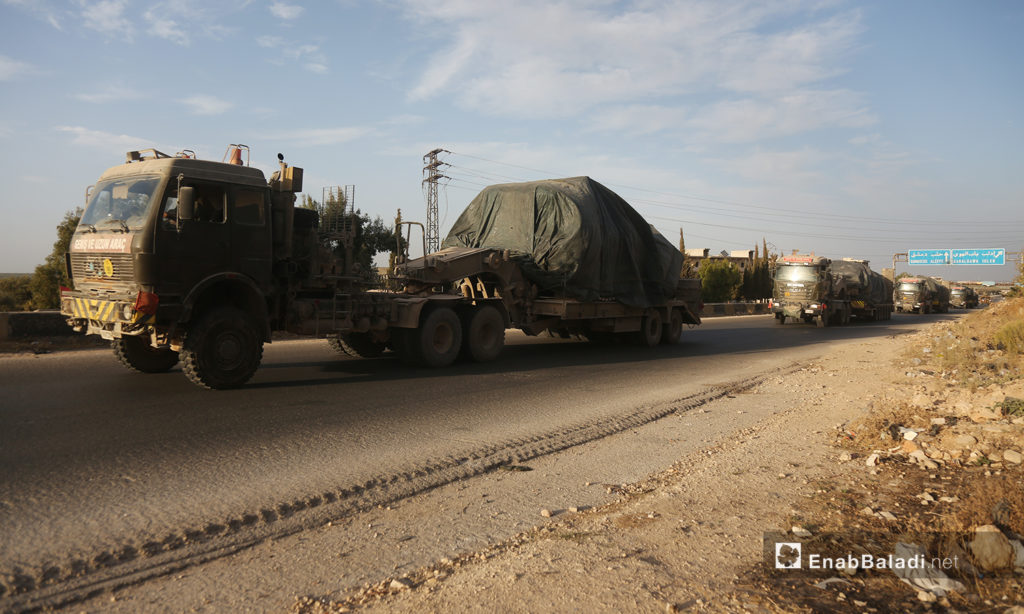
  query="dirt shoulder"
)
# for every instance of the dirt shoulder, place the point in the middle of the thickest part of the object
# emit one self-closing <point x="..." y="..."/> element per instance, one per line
<point x="692" y="536"/>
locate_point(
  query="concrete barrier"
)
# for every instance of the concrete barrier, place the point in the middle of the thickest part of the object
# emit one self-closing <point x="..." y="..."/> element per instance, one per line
<point x="734" y="309"/>
<point x="23" y="324"/>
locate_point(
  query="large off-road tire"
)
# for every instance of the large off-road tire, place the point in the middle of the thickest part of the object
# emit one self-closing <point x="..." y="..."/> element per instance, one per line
<point x="483" y="335"/>
<point x="780" y="318"/>
<point x="222" y="350"/>
<point x="673" y="330"/>
<point x="438" y="340"/>
<point x="650" y="328"/>
<point x="359" y="345"/>
<point x="136" y="354"/>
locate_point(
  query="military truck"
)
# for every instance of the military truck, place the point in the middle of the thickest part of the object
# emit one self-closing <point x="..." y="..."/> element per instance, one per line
<point x="829" y="292"/>
<point x="963" y="297"/>
<point x="177" y="258"/>
<point x="921" y="295"/>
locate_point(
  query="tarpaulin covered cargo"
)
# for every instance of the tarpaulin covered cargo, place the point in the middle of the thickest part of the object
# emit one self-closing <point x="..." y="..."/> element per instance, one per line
<point x="869" y="285"/>
<point x="573" y="237"/>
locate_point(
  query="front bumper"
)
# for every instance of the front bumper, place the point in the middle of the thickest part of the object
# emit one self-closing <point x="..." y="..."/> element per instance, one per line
<point x="107" y="318"/>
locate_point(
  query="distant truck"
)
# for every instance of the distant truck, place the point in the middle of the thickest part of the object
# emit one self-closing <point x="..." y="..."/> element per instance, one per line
<point x="963" y="297"/>
<point x="921" y="295"/>
<point x="829" y="292"/>
<point x="177" y="258"/>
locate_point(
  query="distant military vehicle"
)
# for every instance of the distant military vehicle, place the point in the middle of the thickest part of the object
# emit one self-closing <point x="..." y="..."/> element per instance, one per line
<point x="921" y="295"/>
<point x="963" y="297"/>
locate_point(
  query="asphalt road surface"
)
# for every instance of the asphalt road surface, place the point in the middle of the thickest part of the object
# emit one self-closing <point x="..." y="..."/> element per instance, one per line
<point x="101" y="465"/>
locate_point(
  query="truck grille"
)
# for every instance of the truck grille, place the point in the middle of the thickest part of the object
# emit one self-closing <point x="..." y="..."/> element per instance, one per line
<point x="92" y="268"/>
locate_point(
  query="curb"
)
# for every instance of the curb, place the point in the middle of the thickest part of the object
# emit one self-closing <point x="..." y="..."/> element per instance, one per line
<point x="734" y="309"/>
<point x="22" y="324"/>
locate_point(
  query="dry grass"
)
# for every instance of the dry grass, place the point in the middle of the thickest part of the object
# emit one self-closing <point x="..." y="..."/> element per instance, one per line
<point x="1010" y="338"/>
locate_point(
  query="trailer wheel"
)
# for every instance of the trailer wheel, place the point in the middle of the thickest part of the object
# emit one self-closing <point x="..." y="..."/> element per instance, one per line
<point x="673" y="331"/>
<point x="483" y="336"/>
<point x="136" y="354"/>
<point x="360" y="345"/>
<point x="438" y="340"/>
<point x="650" y="328"/>
<point x="223" y="350"/>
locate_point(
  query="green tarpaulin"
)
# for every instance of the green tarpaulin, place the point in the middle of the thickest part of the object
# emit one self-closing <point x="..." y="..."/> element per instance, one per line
<point x="575" y="238"/>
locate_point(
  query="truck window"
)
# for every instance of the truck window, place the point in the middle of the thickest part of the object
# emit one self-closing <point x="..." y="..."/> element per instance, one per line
<point x="797" y="273"/>
<point x="209" y="205"/>
<point x="248" y="208"/>
<point x="120" y="201"/>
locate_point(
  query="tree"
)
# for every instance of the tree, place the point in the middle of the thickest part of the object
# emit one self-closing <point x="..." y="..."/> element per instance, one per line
<point x="16" y="293"/>
<point x="52" y="274"/>
<point x="688" y="270"/>
<point x="719" y="280"/>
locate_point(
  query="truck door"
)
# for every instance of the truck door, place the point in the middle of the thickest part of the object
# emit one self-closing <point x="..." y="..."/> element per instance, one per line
<point x="250" y="233"/>
<point x="202" y="247"/>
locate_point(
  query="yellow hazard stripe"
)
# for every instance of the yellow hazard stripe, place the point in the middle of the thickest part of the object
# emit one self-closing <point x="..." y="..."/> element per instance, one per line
<point x="95" y="309"/>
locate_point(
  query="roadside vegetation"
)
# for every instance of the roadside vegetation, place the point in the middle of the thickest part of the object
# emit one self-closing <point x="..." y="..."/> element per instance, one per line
<point x="41" y="290"/>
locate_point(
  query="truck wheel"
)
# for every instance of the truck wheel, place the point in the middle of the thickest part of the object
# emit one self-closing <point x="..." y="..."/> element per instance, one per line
<point x="650" y="328"/>
<point x="823" y="320"/>
<point x="359" y="345"/>
<point x="673" y="331"/>
<point x="136" y="354"/>
<point x="483" y="336"/>
<point x="438" y="340"/>
<point x="780" y="318"/>
<point x="222" y="350"/>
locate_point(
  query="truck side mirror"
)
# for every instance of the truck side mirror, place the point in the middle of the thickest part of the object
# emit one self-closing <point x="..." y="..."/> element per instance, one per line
<point x="186" y="204"/>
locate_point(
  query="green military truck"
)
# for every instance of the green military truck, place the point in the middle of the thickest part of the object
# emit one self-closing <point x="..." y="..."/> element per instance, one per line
<point x="963" y="297"/>
<point x="177" y="258"/>
<point x="829" y="292"/>
<point x="921" y="295"/>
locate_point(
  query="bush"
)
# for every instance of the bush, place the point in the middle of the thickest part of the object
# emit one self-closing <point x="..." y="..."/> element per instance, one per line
<point x="16" y="293"/>
<point x="1011" y="337"/>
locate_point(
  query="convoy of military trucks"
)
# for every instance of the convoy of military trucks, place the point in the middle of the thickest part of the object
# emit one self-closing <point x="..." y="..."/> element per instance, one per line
<point x="181" y="259"/>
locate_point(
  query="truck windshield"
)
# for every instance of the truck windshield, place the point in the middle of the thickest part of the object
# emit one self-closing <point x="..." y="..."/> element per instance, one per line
<point x="797" y="273"/>
<point x="909" y="287"/>
<point x="120" y="202"/>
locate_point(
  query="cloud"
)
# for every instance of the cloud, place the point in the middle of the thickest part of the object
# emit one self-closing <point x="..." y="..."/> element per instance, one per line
<point x="644" y="66"/>
<point x="113" y="93"/>
<point x="323" y="136"/>
<point x="105" y="141"/>
<point x="315" y="59"/>
<point x="41" y="9"/>
<point x="11" y="69"/>
<point x="207" y="105"/>
<point x="283" y="10"/>
<point x="107" y="17"/>
<point x="164" y="27"/>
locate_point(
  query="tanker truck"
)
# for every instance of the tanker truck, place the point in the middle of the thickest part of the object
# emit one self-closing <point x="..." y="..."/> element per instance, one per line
<point x="829" y="292"/>
<point x="198" y="261"/>
<point x="921" y="295"/>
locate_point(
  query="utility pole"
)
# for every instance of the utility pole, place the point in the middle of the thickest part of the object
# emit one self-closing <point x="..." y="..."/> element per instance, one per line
<point x="431" y="174"/>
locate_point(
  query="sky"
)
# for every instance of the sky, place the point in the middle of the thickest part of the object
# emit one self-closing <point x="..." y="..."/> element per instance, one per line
<point x="848" y="129"/>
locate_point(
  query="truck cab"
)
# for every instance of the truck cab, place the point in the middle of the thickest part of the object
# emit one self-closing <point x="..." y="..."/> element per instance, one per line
<point x="166" y="240"/>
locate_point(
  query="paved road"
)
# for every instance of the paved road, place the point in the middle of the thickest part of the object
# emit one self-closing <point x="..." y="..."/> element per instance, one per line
<point x="94" y="457"/>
